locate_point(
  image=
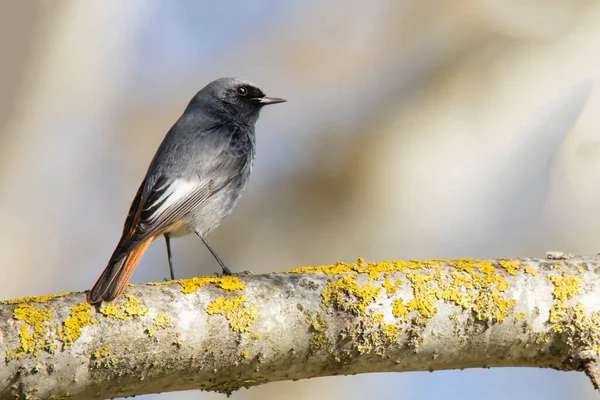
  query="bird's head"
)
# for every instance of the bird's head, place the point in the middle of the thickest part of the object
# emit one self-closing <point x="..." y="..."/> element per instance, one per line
<point x="234" y="98"/>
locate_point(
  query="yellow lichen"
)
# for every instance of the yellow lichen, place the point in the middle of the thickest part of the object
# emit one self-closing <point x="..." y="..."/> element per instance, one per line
<point x="424" y="295"/>
<point x="36" y="299"/>
<point x="576" y="327"/>
<point x="255" y="336"/>
<point x="34" y="331"/>
<point x="512" y="267"/>
<point x="244" y="353"/>
<point x="372" y="335"/>
<point x="399" y="310"/>
<point x="557" y="314"/>
<point x="374" y="269"/>
<point x="486" y="301"/>
<point x="318" y="327"/>
<point x="519" y="316"/>
<point x="228" y="283"/>
<point x="240" y="317"/>
<point x="317" y="321"/>
<point x="502" y="286"/>
<point x="318" y="341"/>
<point x="557" y="267"/>
<point x="530" y="271"/>
<point x="565" y="287"/>
<point x="391" y="288"/>
<point x="542" y="337"/>
<point x="490" y="307"/>
<point x="103" y="352"/>
<point x="455" y="296"/>
<point x="464" y="264"/>
<point x="72" y="326"/>
<point x="346" y="295"/>
<point x="475" y="284"/>
<point x="573" y="322"/>
<point x="162" y="321"/>
<point x="161" y="283"/>
<point x="112" y="310"/>
<point x="102" y="358"/>
<point x="391" y="331"/>
<point x="133" y="307"/>
<point x="461" y="279"/>
<point x="487" y="268"/>
<point x="336" y="269"/>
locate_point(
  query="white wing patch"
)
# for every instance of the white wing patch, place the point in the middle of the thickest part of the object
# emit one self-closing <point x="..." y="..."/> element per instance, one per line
<point x="177" y="192"/>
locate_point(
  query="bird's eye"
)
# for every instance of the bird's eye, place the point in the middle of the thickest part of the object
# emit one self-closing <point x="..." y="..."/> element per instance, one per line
<point x="242" y="91"/>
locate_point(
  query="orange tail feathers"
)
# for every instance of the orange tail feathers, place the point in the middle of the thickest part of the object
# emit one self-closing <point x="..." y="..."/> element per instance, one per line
<point x="116" y="275"/>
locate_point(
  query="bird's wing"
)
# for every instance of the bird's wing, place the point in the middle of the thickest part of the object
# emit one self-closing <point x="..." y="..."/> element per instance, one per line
<point x="164" y="200"/>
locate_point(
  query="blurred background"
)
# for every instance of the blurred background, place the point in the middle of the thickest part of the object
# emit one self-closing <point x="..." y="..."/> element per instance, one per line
<point x="414" y="129"/>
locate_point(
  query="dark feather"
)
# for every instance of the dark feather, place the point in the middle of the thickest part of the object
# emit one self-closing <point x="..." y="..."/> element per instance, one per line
<point x="151" y="213"/>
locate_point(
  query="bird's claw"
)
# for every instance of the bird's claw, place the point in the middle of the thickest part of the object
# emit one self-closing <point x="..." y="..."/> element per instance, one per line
<point x="222" y="274"/>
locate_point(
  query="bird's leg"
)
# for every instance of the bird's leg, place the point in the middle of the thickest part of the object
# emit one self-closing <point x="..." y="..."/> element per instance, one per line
<point x="168" y="243"/>
<point x="226" y="271"/>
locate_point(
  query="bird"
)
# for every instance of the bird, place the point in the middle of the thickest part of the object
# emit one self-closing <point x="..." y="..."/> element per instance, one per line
<point x="194" y="180"/>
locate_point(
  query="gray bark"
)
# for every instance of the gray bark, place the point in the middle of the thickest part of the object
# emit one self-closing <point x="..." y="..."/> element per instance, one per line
<point x="221" y="334"/>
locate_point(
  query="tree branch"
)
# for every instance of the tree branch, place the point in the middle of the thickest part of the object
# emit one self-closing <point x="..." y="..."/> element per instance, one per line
<point x="221" y="334"/>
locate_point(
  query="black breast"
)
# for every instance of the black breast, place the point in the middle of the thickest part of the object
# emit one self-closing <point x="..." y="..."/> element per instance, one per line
<point x="242" y="143"/>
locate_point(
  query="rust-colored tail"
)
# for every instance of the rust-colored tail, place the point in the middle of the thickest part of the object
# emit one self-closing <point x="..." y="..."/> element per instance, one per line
<point x="116" y="275"/>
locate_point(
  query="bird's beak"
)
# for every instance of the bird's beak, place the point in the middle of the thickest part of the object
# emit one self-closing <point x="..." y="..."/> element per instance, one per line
<point x="270" y="100"/>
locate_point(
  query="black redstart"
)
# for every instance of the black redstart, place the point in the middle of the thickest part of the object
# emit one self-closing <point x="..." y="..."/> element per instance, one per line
<point x="194" y="180"/>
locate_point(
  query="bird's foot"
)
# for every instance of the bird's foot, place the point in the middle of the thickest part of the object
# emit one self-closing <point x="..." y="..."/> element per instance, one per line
<point x="229" y="273"/>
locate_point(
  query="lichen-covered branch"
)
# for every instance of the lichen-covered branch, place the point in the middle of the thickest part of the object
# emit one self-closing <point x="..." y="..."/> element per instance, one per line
<point x="221" y="334"/>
